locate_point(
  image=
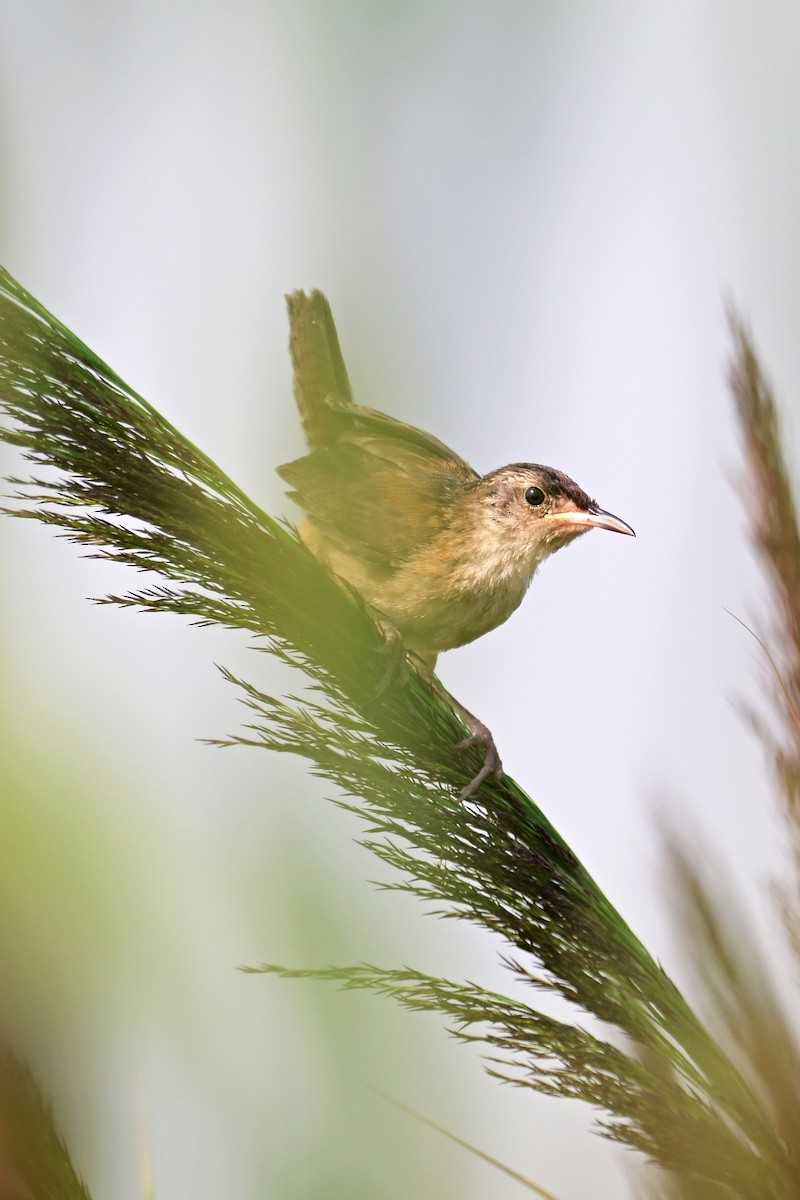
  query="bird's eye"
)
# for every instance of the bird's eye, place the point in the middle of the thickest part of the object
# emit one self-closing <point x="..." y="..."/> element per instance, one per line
<point x="534" y="496"/>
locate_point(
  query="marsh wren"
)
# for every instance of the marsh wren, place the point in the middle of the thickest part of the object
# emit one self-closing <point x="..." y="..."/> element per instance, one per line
<point x="441" y="553"/>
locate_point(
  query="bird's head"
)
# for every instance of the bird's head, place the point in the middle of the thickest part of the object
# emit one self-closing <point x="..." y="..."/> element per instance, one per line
<point x="537" y="510"/>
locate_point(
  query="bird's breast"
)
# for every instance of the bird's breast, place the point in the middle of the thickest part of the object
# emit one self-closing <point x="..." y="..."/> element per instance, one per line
<point x="450" y="592"/>
<point x="440" y="600"/>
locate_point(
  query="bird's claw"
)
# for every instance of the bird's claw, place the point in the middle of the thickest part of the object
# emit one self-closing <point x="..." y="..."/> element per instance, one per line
<point x="492" y="765"/>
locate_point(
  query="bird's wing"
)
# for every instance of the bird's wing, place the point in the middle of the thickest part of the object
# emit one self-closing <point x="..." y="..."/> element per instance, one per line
<point x="373" y="485"/>
<point x="369" y="501"/>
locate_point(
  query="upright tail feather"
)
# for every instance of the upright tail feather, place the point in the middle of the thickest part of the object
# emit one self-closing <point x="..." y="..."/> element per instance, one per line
<point x="319" y="370"/>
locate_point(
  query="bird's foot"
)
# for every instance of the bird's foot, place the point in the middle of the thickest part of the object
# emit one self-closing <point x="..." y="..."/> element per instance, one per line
<point x="481" y="736"/>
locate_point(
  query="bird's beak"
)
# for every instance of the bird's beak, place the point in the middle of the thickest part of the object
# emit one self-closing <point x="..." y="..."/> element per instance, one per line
<point x="594" y="517"/>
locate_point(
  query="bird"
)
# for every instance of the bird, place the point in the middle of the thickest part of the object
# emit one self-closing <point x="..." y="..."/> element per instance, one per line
<point x="441" y="553"/>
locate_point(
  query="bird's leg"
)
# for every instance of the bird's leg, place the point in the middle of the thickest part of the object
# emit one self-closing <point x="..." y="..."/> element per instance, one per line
<point x="479" y="736"/>
<point x="397" y="669"/>
<point x="397" y="660"/>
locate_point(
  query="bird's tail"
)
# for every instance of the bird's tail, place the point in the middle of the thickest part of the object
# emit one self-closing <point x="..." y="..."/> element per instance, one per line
<point x="320" y="376"/>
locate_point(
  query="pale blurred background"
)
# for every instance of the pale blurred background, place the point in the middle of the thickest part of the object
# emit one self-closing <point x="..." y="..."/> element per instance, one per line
<point x="527" y="218"/>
